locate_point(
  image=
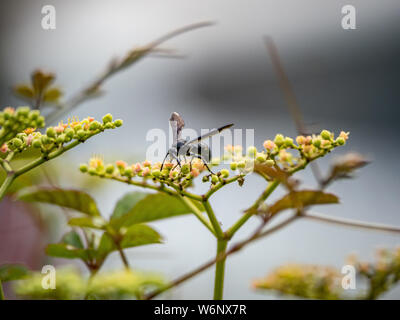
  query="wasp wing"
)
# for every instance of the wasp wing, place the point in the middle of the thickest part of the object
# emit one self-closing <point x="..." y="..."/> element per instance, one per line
<point x="211" y="133"/>
<point x="176" y="122"/>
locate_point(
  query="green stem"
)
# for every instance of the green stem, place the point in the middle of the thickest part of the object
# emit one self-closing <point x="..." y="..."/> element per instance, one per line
<point x="219" y="186"/>
<point x="220" y="270"/>
<point x="1" y="292"/>
<point x="123" y="256"/>
<point x="213" y="219"/>
<point x="6" y="184"/>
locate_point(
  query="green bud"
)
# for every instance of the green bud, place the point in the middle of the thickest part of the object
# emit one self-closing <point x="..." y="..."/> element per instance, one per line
<point x="233" y="166"/>
<point x="110" y="168"/>
<point x="206" y="178"/>
<point x="107" y="118"/>
<point x="23" y="111"/>
<point x="69" y="133"/>
<point x="316" y="142"/>
<point x="36" y="143"/>
<point x="214" y="179"/>
<point x="45" y="139"/>
<point x="288" y="142"/>
<point x="261" y="157"/>
<point x="252" y="151"/>
<point x="34" y="114"/>
<point x="40" y="122"/>
<point x="185" y="169"/>
<point x="224" y="173"/>
<point x="94" y="125"/>
<point x="21" y="135"/>
<point x="16" y="143"/>
<point x="241" y="164"/>
<point x="83" y="167"/>
<point x="325" y="134"/>
<point x="279" y="140"/>
<point x="269" y="162"/>
<point x="60" y="139"/>
<point x="109" y="125"/>
<point x="81" y="134"/>
<point x="340" y="141"/>
<point x="51" y="132"/>
<point x="118" y="122"/>
<point x="128" y="172"/>
<point x="92" y="171"/>
<point x="156" y="173"/>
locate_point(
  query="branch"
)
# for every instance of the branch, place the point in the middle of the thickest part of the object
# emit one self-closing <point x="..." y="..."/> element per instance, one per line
<point x="350" y="222"/>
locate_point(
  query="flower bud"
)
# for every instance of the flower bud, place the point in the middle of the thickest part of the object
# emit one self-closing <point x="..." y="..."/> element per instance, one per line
<point x="107" y="118"/>
<point x="36" y="143"/>
<point x="118" y="122"/>
<point x="325" y="134"/>
<point x="156" y="173"/>
<point x="128" y="172"/>
<point x="316" y="142"/>
<point x="269" y="145"/>
<point x="270" y="162"/>
<point x="109" y="125"/>
<point x="51" y="132"/>
<point x="288" y="142"/>
<point x="206" y="178"/>
<point x="110" y="168"/>
<point x="83" y="167"/>
<point x="195" y="172"/>
<point x="185" y="169"/>
<point x="241" y="164"/>
<point x="252" y="151"/>
<point x="214" y="179"/>
<point x="60" y="139"/>
<point x="94" y="125"/>
<point x="233" y="166"/>
<point x="261" y="157"/>
<point x="92" y="171"/>
<point x="279" y="140"/>
<point x="224" y="173"/>
<point x="341" y="141"/>
<point x="45" y="139"/>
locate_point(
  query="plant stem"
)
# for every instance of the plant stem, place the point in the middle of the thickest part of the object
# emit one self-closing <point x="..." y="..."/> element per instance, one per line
<point x="123" y="256"/>
<point x="1" y="292"/>
<point x="6" y="184"/>
<point x="213" y="219"/>
<point x="349" y="222"/>
<point x="220" y="269"/>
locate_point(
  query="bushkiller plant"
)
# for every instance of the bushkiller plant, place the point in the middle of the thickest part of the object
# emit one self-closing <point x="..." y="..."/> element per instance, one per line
<point x="92" y="237"/>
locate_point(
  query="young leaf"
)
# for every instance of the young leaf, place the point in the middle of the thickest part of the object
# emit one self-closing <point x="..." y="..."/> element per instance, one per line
<point x="72" y="238"/>
<point x="72" y="199"/>
<point x="106" y="246"/>
<point x="62" y="250"/>
<point x="153" y="207"/>
<point x="127" y="202"/>
<point x="301" y="199"/>
<point x="10" y="272"/>
<point x="139" y="235"/>
<point x="88" y="222"/>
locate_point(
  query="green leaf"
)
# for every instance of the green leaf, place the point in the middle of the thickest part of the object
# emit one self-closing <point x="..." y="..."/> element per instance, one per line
<point x="127" y="202"/>
<point x="88" y="222"/>
<point x="52" y="95"/>
<point x="301" y="199"/>
<point x="10" y="272"/>
<point x="152" y="207"/>
<point x="139" y="235"/>
<point x="72" y="199"/>
<point x="62" y="250"/>
<point x="72" y="238"/>
<point x="106" y="246"/>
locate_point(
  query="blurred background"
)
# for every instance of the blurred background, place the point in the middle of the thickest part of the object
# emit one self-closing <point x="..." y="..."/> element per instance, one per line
<point x="343" y="79"/>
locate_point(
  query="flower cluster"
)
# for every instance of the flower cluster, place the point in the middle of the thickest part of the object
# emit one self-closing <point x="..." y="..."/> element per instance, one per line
<point x="13" y="121"/>
<point x="70" y="284"/>
<point x="306" y="281"/>
<point x="56" y="136"/>
<point x="275" y="152"/>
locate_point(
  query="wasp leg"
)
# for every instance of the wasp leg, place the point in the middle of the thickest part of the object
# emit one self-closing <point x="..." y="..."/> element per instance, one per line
<point x="202" y="159"/>
<point x="166" y="156"/>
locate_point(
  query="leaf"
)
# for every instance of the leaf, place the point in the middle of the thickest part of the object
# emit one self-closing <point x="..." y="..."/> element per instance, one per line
<point x="72" y="199"/>
<point x="105" y="247"/>
<point x="301" y="199"/>
<point x="10" y="272"/>
<point x="41" y="80"/>
<point x="24" y="91"/>
<point x="88" y="222"/>
<point x="62" y="250"/>
<point x="72" y="238"/>
<point x="153" y="207"/>
<point x="127" y="202"/>
<point x="139" y="235"/>
<point x="52" y="95"/>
